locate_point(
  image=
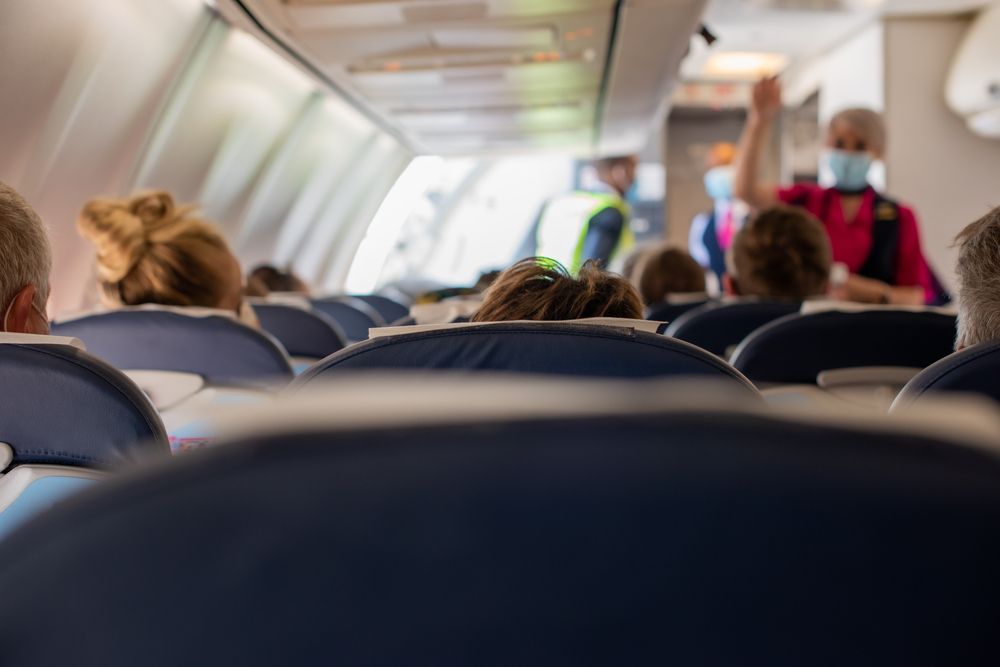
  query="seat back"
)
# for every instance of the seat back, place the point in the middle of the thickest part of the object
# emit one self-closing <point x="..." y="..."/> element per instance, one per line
<point x="550" y="348"/>
<point x="219" y="349"/>
<point x="65" y="416"/>
<point x="302" y="332"/>
<point x="671" y="536"/>
<point x="973" y="370"/>
<point x="354" y="316"/>
<point x="389" y="310"/>
<point x="797" y="348"/>
<point x="668" y="312"/>
<point x="719" y="327"/>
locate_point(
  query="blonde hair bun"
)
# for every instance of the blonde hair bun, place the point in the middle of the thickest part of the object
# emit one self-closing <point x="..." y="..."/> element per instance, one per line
<point x="120" y="228"/>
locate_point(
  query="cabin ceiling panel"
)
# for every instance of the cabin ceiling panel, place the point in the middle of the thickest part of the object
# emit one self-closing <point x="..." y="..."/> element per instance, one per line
<point x="512" y="59"/>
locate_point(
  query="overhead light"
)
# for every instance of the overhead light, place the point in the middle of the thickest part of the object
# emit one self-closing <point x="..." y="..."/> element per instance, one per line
<point x="735" y="65"/>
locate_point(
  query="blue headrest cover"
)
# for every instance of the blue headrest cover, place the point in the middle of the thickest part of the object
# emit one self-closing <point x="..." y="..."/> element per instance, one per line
<point x="219" y="349"/>
<point x="975" y="369"/>
<point x="389" y="310"/>
<point x="688" y="539"/>
<point x="61" y="406"/>
<point x="716" y="327"/>
<point x="795" y="349"/>
<point x="354" y="316"/>
<point x="542" y="347"/>
<point x="668" y="312"/>
<point x="303" y="333"/>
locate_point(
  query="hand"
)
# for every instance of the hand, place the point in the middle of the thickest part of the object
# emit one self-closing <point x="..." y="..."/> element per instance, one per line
<point x="906" y="296"/>
<point x="765" y="100"/>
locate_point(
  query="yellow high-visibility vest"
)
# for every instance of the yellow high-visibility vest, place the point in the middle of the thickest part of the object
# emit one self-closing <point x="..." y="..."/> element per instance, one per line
<point x="566" y="220"/>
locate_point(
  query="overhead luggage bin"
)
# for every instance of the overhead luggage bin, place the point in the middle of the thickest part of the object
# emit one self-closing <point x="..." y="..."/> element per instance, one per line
<point x="547" y="348"/>
<point x="66" y="419"/>
<point x="489" y="76"/>
<point x="689" y="532"/>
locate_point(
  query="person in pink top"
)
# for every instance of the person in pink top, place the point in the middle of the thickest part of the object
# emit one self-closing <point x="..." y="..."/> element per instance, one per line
<point x="876" y="237"/>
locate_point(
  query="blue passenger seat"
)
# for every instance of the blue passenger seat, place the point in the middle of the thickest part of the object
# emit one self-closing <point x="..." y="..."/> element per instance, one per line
<point x="720" y="326"/>
<point x="389" y="310"/>
<point x="974" y="370"/>
<point x="668" y="311"/>
<point x="797" y="348"/>
<point x="186" y="363"/>
<point x="221" y="350"/>
<point x="354" y="316"/>
<point x="65" y="419"/>
<point x="551" y="348"/>
<point x="678" y="536"/>
<point x="303" y="332"/>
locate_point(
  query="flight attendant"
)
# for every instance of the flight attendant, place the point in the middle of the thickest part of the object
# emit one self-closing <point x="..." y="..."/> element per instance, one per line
<point x="585" y="225"/>
<point x="876" y="237"/>
<point x="713" y="231"/>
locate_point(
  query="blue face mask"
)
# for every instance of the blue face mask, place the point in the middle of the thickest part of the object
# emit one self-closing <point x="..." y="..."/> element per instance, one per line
<point x="632" y="194"/>
<point x="850" y="169"/>
<point x="719" y="182"/>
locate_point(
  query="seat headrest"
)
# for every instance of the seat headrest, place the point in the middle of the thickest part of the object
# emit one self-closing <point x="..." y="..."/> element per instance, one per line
<point x="59" y="405"/>
<point x="220" y="349"/>
<point x="387" y="308"/>
<point x="443" y="312"/>
<point x="548" y="348"/>
<point x="720" y="325"/>
<point x="972" y="370"/>
<point x="303" y="332"/>
<point x="796" y="348"/>
<point x="354" y="316"/>
<point x="38" y="339"/>
<point x="612" y="323"/>
<point x="589" y="538"/>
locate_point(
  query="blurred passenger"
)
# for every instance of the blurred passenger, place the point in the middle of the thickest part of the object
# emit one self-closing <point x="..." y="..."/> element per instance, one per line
<point x="582" y="226"/>
<point x="781" y="253"/>
<point x="540" y="289"/>
<point x="978" y="271"/>
<point x="149" y="250"/>
<point x="631" y="260"/>
<point x="25" y="265"/>
<point x="665" y="271"/>
<point x="712" y="232"/>
<point x="465" y="293"/>
<point x="874" y="236"/>
<point x="265" y="279"/>
<point x="486" y="279"/>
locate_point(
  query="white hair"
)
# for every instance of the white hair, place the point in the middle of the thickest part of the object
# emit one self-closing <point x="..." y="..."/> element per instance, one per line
<point x="25" y="254"/>
<point x="979" y="281"/>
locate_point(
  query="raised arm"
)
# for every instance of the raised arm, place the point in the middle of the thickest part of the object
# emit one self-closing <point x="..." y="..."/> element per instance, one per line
<point x="765" y="105"/>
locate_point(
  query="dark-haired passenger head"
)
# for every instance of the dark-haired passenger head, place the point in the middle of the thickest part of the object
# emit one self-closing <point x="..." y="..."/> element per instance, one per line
<point x="542" y="289"/>
<point x="782" y="253"/>
<point x="667" y="270"/>
<point x="618" y="171"/>
<point x="265" y="279"/>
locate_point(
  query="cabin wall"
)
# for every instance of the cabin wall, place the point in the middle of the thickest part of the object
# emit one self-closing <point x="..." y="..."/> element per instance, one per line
<point x="849" y="75"/>
<point x="934" y="162"/>
<point x="690" y="135"/>
<point x="115" y="95"/>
